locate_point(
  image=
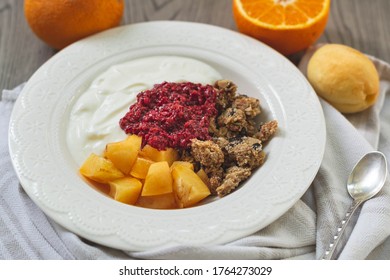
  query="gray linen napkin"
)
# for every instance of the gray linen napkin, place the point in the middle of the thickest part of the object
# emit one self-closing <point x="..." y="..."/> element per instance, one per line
<point x="303" y="232"/>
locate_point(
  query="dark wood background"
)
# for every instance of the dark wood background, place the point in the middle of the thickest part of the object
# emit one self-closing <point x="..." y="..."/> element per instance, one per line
<point x="362" y="24"/>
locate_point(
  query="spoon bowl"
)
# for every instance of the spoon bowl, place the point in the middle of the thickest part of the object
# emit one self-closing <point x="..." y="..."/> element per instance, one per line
<point x="368" y="176"/>
<point x="366" y="179"/>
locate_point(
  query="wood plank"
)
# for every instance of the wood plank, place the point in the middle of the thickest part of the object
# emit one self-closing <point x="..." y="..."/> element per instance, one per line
<point x="362" y="24"/>
<point x="21" y="52"/>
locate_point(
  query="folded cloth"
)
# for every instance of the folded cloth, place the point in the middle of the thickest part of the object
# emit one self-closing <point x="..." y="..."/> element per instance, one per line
<point x="303" y="232"/>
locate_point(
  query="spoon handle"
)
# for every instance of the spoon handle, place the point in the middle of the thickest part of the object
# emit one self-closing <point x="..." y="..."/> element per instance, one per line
<point x="340" y="230"/>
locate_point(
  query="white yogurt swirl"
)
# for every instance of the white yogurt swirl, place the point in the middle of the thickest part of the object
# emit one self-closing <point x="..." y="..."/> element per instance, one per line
<point x="94" y="118"/>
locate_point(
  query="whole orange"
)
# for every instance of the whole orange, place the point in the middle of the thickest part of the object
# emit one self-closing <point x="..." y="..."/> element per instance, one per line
<point x="62" y="22"/>
<point x="288" y="26"/>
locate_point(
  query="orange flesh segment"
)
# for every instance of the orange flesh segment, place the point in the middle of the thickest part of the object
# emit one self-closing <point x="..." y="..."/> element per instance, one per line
<point x="283" y="13"/>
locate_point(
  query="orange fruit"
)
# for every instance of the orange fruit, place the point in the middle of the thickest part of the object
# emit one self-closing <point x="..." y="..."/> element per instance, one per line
<point x="62" y="22"/>
<point x="288" y="26"/>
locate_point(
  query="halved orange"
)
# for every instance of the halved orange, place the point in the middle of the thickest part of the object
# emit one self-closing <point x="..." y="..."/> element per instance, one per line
<point x="288" y="26"/>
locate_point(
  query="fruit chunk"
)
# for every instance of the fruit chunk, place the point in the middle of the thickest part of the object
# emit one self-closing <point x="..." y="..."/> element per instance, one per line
<point x="203" y="176"/>
<point x="141" y="167"/>
<point x="100" y="169"/>
<point x="158" y="179"/>
<point x="126" y="190"/>
<point x="162" y="201"/>
<point x="124" y="153"/>
<point x="184" y="163"/>
<point x="188" y="187"/>
<point x="169" y="155"/>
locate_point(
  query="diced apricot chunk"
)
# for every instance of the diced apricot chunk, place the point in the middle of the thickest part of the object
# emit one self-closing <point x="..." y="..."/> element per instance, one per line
<point x="202" y="175"/>
<point x="162" y="201"/>
<point x="188" y="187"/>
<point x="184" y="163"/>
<point x="125" y="190"/>
<point x="169" y="155"/>
<point x="158" y="179"/>
<point x="141" y="167"/>
<point x="100" y="169"/>
<point x="124" y="153"/>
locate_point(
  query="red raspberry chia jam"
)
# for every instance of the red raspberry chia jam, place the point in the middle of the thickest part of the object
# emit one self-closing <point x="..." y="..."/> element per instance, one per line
<point x="171" y="114"/>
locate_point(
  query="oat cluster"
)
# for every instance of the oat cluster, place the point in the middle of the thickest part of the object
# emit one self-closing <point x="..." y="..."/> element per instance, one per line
<point x="236" y="147"/>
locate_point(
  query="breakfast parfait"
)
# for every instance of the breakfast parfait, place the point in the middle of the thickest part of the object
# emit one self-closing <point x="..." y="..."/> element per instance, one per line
<point x="185" y="141"/>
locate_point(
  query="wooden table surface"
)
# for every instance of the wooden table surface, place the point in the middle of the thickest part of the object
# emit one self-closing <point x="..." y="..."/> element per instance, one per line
<point x="362" y="24"/>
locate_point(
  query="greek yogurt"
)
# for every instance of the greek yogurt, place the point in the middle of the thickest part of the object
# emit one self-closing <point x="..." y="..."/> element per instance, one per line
<point x="94" y="118"/>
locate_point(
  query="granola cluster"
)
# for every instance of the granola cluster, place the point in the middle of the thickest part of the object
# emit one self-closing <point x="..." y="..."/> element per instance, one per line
<point x="236" y="148"/>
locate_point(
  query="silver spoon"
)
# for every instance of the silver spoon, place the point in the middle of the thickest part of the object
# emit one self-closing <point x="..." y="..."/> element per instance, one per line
<point x="365" y="181"/>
